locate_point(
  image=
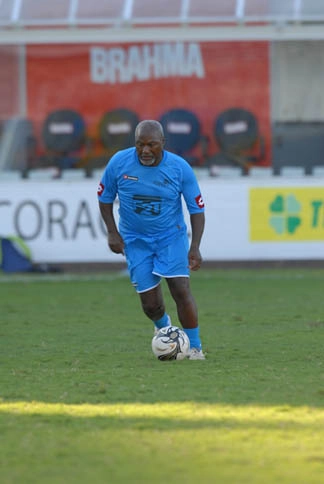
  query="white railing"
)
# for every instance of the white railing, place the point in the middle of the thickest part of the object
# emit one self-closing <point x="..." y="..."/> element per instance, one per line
<point x="299" y="11"/>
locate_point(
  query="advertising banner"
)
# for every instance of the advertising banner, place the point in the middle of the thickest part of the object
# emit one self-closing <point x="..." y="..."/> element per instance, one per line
<point x="287" y="214"/>
<point x="245" y="220"/>
<point x="149" y="79"/>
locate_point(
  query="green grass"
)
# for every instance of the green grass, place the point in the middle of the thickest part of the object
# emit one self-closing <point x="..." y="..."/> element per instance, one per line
<point x="83" y="400"/>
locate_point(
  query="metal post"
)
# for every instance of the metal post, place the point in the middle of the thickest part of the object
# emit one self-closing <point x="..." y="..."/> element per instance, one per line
<point x="73" y="8"/>
<point x="185" y="4"/>
<point x="128" y="10"/>
<point x="240" y="8"/>
<point x="297" y="9"/>
<point x="16" y="9"/>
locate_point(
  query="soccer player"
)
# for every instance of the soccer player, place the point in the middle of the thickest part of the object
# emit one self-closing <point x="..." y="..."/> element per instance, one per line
<point x="151" y="183"/>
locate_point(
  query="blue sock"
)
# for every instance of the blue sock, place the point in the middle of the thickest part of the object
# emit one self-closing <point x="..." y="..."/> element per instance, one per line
<point x="163" y="322"/>
<point x="194" y="338"/>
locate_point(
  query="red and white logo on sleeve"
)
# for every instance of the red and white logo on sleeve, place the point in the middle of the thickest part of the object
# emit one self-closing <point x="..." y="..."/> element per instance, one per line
<point x="101" y="188"/>
<point x="200" y="201"/>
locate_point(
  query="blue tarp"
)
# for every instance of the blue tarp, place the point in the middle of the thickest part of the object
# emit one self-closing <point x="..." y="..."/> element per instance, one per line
<point x="14" y="255"/>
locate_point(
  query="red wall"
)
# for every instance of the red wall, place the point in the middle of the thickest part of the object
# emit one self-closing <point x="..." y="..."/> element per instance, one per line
<point x="236" y="75"/>
<point x="9" y="82"/>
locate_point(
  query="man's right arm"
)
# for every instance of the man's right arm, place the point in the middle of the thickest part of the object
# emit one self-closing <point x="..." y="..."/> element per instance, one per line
<point x="115" y="241"/>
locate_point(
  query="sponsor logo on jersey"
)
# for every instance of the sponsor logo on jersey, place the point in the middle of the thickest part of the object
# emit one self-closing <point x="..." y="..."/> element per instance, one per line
<point x="101" y="188"/>
<point x="147" y="205"/>
<point x="129" y="177"/>
<point x="200" y="201"/>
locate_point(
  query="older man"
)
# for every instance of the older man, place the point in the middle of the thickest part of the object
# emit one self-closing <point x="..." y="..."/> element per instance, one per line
<point x="150" y="183"/>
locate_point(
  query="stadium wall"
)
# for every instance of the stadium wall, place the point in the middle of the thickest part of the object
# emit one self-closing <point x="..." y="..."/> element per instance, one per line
<point x="150" y="79"/>
<point x="246" y="220"/>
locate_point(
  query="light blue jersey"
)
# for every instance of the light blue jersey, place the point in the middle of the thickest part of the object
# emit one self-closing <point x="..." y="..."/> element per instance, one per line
<point x="150" y="197"/>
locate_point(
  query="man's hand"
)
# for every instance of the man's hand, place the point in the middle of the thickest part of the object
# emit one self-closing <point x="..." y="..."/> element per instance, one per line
<point x="195" y="259"/>
<point x="116" y="243"/>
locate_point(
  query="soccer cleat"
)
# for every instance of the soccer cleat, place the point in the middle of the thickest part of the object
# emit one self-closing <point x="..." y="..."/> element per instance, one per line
<point x="196" y="354"/>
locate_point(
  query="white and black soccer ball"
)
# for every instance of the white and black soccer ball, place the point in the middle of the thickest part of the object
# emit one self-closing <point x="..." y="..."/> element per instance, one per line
<point x="171" y="343"/>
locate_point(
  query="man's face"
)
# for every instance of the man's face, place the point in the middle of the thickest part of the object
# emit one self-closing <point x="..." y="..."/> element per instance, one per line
<point x="149" y="146"/>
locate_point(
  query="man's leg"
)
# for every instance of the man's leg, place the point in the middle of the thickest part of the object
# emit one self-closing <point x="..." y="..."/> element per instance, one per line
<point x="186" y="305"/>
<point x="154" y="308"/>
<point x="187" y="313"/>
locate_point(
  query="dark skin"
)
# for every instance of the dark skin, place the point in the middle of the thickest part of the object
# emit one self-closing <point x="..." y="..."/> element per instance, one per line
<point x="149" y="142"/>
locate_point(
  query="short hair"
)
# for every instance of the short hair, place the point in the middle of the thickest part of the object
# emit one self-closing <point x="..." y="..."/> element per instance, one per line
<point x="150" y="124"/>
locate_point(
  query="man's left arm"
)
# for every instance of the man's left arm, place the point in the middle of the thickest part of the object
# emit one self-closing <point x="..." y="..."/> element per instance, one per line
<point x="197" y="221"/>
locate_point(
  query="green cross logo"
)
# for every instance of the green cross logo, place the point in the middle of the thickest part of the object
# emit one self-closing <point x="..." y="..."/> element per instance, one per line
<point x="284" y="214"/>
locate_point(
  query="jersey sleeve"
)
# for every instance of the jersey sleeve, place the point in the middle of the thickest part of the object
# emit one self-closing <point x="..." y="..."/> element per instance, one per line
<point x="191" y="191"/>
<point x="107" y="189"/>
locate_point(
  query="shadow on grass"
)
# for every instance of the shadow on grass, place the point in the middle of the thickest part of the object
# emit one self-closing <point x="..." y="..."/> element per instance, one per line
<point x="207" y="382"/>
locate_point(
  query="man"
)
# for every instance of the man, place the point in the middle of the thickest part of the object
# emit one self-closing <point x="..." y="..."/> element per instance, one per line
<point x="152" y="234"/>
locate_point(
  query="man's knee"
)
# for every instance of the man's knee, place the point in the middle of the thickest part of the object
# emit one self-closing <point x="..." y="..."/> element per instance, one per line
<point x="152" y="310"/>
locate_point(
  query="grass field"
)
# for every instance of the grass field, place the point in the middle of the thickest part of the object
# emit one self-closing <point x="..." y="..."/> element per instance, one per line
<point x="83" y="400"/>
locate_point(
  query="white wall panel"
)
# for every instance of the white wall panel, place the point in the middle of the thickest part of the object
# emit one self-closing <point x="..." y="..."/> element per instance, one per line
<point x="61" y="222"/>
<point x="297" y="81"/>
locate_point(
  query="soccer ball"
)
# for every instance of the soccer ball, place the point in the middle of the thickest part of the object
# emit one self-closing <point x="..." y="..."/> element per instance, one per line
<point x="170" y="343"/>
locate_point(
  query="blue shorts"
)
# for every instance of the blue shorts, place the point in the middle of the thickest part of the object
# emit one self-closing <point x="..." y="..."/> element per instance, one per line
<point x="150" y="259"/>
